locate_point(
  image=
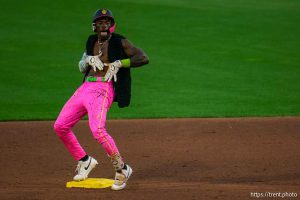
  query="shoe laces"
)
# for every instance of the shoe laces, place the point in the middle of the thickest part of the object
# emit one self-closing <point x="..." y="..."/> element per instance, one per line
<point x="78" y="167"/>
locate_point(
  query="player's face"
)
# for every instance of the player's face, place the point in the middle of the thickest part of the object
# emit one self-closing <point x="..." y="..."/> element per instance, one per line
<point x="102" y="28"/>
<point x="103" y="24"/>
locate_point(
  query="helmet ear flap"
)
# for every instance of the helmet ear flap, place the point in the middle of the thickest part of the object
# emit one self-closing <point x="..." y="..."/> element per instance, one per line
<point x="112" y="28"/>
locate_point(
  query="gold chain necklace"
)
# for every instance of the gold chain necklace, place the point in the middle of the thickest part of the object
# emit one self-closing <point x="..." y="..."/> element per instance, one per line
<point x="101" y="44"/>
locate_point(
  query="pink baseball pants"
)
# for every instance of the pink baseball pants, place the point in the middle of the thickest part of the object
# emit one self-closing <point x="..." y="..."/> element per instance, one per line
<point x="94" y="99"/>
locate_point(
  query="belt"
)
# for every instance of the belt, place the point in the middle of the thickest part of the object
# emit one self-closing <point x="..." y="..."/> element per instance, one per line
<point x="94" y="79"/>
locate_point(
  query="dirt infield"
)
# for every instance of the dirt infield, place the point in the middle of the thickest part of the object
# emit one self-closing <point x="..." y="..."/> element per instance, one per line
<point x="178" y="159"/>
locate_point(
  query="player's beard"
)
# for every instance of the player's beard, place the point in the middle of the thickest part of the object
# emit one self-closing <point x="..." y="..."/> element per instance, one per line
<point x="103" y="35"/>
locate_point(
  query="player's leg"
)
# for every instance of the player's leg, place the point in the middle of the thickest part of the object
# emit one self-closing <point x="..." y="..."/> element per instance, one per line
<point x="97" y="107"/>
<point x="97" y="104"/>
<point x="71" y="113"/>
<point x="97" y="120"/>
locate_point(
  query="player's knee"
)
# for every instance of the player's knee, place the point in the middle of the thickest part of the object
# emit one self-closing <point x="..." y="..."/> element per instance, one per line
<point x="60" y="128"/>
<point x="57" y="127"/>
<point x="99" y="134"/>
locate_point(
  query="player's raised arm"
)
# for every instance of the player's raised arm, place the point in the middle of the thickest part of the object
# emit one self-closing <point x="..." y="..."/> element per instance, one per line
<point x="136" y="55"/>
<point x="137" y="58"/>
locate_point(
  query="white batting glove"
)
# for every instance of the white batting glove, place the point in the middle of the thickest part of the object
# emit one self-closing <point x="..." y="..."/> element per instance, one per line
<point x="83" y="64"/>
<point x="95" y="62"/>
<point x="112" y="71"/>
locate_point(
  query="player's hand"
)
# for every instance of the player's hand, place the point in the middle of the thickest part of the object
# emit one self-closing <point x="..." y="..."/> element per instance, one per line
<point x="95" y="62"/>
<point x="112" y="70"/>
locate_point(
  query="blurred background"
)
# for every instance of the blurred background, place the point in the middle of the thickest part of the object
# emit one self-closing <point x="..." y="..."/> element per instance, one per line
<point x="208" y="58"/>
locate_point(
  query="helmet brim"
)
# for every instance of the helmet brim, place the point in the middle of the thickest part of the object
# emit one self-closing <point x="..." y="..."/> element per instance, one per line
<point x="104" y="16"/>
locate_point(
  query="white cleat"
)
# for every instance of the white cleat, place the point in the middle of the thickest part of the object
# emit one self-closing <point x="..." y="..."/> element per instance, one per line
<point x="122" y="178"/>
<point x="84" y="168"/>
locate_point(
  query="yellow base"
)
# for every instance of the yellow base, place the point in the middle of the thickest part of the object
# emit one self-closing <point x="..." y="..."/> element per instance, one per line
<point x="91" y="183"/>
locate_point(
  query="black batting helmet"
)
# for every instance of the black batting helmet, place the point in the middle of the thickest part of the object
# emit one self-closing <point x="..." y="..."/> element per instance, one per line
<point x="104" y="13"/>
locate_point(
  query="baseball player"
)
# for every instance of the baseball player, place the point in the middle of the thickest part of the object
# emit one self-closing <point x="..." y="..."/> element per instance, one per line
<point x="106" y="65"/>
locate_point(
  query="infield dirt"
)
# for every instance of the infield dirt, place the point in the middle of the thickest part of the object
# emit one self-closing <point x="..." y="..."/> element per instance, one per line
<point x="171" y="158"/>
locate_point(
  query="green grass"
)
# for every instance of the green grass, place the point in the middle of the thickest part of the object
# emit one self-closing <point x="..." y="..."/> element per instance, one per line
<point x="208" y="58"/>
